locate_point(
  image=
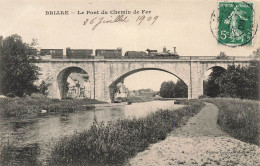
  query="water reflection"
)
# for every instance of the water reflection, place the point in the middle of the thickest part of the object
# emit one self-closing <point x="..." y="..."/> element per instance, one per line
<point x="44" y="131"/>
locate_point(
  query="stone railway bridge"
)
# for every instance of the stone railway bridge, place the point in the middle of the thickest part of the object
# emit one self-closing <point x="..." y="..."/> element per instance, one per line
<point x="104" y="74"/>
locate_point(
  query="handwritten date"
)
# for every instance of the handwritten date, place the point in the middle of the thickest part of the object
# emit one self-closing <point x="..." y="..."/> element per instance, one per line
<point x="142" y="18"/>
<point x="96" y="21"/>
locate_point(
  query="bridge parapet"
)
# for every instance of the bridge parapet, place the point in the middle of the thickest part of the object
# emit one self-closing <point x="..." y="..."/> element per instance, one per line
<point x="244" y="58"/>
<point x="182" y="58"/>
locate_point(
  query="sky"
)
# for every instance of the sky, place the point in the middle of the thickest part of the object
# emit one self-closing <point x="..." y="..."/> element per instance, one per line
<point x="181" y="24"/>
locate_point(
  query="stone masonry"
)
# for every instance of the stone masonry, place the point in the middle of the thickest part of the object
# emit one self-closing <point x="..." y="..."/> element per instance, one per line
<point x="104" y="74"/>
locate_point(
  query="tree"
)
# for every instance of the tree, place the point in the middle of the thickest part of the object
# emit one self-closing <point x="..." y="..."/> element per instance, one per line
<point x="181" y="89"/>
<point x="1" y="40"/>
<point x="167" y="89"/>
<point x="17" y="69"/>
<point x="254" y="70"/>
<point x="222" y="55"/>
<point x="170" y="89"/>
<point x="212" y="88"/>
<point x="237" y="81"/>
<point x="241" y="82"/>
<point x="256" y="54"/>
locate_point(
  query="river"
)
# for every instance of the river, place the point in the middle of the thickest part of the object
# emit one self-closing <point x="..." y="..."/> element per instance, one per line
<point x="47" y="129"/>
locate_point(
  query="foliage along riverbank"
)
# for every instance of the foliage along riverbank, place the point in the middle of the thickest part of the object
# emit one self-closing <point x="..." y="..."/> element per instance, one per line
<point x="117" y="141"/>
<point x="239" y="118"/>
<point x="135" y="99"/>
<point x="140" y="99"/>
<point x="34" y="104"/>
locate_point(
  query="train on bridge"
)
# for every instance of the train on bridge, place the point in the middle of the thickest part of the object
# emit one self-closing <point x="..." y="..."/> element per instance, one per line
<point x="106" y="53"/>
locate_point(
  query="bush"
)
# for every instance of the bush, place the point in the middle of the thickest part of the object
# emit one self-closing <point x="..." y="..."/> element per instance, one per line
<point x="117" y="141"/>
<point x="38" y="96"/>
<point x="121" y="99"/>
<point x="43" y="88"/>
<point x="203" y="96"/>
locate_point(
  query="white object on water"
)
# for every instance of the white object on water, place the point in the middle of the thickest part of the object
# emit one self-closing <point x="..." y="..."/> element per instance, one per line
<point x="44" y="111"/>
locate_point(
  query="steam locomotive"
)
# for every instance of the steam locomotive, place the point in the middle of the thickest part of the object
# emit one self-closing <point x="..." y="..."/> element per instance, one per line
<point x="152" y="54"/>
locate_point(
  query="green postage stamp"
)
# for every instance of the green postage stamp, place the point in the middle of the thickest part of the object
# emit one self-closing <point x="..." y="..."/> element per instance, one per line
<point x="235" y="23"/>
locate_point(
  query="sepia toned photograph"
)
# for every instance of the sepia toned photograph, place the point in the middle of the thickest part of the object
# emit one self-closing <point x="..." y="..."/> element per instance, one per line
<point x="131" y="83"/>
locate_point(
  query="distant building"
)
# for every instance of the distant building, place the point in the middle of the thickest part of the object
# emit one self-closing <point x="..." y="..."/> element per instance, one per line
<point x="78" y="85"/>
<point x="143" y="92"/>
<point x="131" y="93"/>
<point x="122" y="92"/>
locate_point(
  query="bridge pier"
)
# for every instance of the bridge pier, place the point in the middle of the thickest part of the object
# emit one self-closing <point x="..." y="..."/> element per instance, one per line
<point x="196" y="79"/>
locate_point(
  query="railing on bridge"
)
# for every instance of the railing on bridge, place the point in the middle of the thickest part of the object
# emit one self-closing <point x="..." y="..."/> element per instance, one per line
<point x="241" y="58"/>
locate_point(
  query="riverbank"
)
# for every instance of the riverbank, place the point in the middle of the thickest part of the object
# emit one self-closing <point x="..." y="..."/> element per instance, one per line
<point x="117" y="141"/>
<point x="140" y="99"/>
<point x="239" y="118"/>
<point x="102" y="105"/>
<point x="37" y="104"/>
<point x="26" y="139"/>
<point x="199" y="142"/>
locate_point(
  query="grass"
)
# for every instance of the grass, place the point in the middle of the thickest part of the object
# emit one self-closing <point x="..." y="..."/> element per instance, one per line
<point x="239" y="118"/>
<point x="33" y="105"/>
<point x="115" y="142"/>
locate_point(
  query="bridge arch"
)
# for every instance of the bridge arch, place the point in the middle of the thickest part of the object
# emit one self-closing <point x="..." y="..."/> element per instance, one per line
<point x="63" y="76"/>
<point x="218" y="66"/>
<point x="114" y="82"/>
<point x="221" y="68"/>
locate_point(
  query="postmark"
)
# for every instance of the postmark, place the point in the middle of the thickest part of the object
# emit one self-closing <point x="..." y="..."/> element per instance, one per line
<point x="235" y="24"/>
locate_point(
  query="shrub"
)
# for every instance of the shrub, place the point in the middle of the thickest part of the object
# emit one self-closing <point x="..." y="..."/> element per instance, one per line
<point x="203" y="96"/>
<point x="43" y="88"/>
<point x="38" y="96"/>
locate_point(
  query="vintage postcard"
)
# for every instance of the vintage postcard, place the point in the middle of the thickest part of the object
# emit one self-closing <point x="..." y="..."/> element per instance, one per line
<point x="158" y="82"/>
